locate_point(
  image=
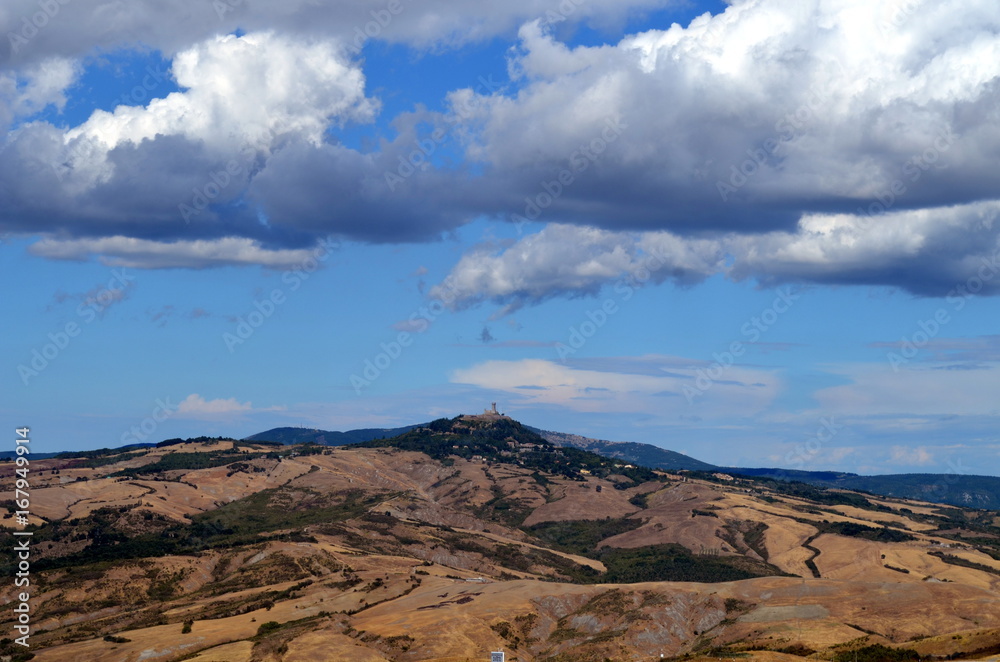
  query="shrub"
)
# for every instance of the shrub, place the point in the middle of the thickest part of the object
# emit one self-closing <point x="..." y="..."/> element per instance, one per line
<point x="267" y="628"/>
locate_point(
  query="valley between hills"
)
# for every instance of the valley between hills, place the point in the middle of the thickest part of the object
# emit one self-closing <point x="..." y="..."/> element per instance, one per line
<point x="476" y="534"/>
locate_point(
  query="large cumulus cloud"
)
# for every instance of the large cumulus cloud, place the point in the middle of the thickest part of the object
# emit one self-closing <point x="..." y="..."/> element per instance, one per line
<point x="74" y="29"/>
<point x="818" y="140"/>
<point x="748" y="119"/>
<point x="566" y="260"/>
<point x="943" y="252"/>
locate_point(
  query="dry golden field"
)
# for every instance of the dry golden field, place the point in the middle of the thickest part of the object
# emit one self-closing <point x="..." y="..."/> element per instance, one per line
<point x="387" y="554"/>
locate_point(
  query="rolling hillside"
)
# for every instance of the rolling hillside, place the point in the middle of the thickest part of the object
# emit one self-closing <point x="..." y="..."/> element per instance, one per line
<point x="954" y="489"/>
<point x="474" y="534"/>
<point x="645" y="454"/>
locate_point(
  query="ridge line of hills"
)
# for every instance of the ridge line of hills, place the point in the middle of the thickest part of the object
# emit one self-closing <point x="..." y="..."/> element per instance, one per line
<point x="967" y="490"/>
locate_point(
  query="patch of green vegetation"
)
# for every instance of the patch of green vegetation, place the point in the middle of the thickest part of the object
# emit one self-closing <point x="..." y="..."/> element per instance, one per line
<point x="277" y="568"/>
<point x="614" y="602"/>
<point x="504" y="629"/>
<point x="581" y="536"/>
<point x="518" y="632"/>
<point x="245" y="521"/>
<point x="209" y="441"/>
<point x="754" y="538"/>
<point x="98" y="453"/>
<point x="506" y="440"/>
<point x="738" y="606"/>
<point x="99" y="525"/>
<point x="746" y="535"/>
<point x="727" y="652"/>
<point x="853" y="530"/>
<point x="267" y="628"/>
<point x="190" y="461"/>
<point x="672" y="562"/>
<point x="951" y="559"/>
<point x="877" y="653"/>
<point x="541" y="479"/>
<point x="162" y="589"/>
<point x="985" y="549"/>
<point x="811" y="561"/>
<point x="800" y="650"/>
<point x="508" y="510"/>
<point x="523" y="559"/>
<point x="281" y="508"/>
<point x="104" y="460"/>
<point x="651" y="563"/>
<point x="976" y="653"/>
<point x="563" y="633"/>
<point x="243" y="467"/>
<point x="818" y="495"/>
<point x="640" y="500"/>
<point x="14" y="652"/>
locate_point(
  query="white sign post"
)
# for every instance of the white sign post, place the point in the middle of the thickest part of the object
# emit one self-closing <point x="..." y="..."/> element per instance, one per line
<point x="496" y="657"/>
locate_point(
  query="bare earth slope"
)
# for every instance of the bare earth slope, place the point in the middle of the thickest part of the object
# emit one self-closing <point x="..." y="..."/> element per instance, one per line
<point x="484" y="540"/>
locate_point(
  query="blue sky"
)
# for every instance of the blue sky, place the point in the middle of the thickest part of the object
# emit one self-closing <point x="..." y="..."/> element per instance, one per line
<point x="756" y="242"/>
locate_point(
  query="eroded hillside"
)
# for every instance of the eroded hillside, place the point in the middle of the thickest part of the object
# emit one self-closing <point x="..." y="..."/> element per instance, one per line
<point x="473" y="535"/>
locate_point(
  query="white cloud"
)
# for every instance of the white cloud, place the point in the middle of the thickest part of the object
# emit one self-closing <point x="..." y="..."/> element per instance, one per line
<point x="78" y="28"/>
<point x="657" y="386"/>
<point x="913" y="392"/>
<point x="195" y="406"/>
<point x="573" y="260"/>
<point x="928" y="251"/>
<point x="24" y="93"/>
<point x="824" y="104"/>
<point x="147" y="254"/>
<point x="259" y="84"/>
<point x="243" y="151"/>
<point x="903" y="455"/>
<point x="240" y="95"/>
<point x="862" y="134"/>
<point x="820" y="105"/>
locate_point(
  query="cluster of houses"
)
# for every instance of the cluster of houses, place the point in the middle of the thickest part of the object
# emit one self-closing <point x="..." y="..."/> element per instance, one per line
<point x="516" y="449"/>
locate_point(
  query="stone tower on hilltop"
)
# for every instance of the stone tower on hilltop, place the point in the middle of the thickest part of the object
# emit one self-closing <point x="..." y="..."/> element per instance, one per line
<point x="489" y="414"/>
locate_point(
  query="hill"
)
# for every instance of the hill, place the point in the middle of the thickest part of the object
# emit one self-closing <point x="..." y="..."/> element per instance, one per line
<point x="493" y="438"/>
<point x="954" y="489"/>
<point x="473" y="534"/>
<point x="647" y="455"/>
<point x="290" y="436"/>
<point x="960" y="490"/>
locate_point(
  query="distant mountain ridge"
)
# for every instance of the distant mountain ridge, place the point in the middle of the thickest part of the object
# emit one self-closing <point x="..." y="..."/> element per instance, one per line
<point x="970" y="491"/>
<point x="645" y="454"/>
<point x="953" y="489"/>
